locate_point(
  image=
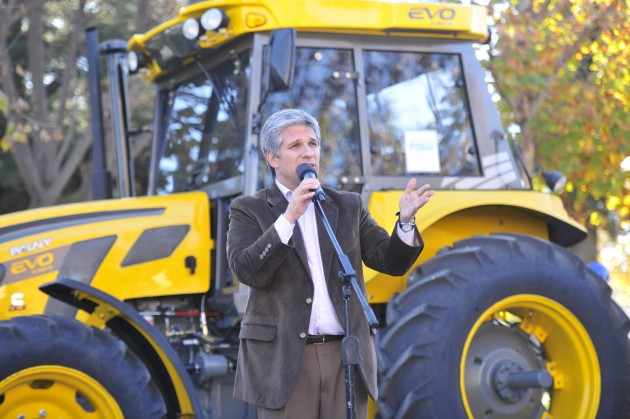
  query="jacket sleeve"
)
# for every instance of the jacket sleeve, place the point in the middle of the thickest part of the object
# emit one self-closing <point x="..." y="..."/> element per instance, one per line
<point x="384" y="252"/>
<point x="254" y="248"/>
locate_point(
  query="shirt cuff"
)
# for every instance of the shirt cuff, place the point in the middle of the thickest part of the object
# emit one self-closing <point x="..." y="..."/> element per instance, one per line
<point x="407" y="237"/>
<point x="284" y="229"/>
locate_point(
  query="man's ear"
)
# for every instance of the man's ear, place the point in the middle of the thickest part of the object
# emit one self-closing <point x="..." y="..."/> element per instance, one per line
<point x="272" y="160"/>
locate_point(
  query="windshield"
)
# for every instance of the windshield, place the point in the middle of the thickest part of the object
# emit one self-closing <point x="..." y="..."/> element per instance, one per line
<point x="206" y="127"/>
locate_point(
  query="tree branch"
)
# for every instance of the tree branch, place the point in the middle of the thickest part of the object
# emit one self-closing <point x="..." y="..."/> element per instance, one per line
<point x="68" y="169"/>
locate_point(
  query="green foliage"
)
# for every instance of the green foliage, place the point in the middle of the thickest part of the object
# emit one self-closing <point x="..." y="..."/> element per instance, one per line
<point x="561" y="68"/>
<point x="45" y="121"/>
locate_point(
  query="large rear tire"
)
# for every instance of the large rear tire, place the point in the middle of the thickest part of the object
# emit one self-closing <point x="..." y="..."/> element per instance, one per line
<point x="504" y="326"/>
<point x="59" y="367"/>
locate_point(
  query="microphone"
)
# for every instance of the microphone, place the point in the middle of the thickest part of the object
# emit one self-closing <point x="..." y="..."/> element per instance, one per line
<point x="306" y="171"/>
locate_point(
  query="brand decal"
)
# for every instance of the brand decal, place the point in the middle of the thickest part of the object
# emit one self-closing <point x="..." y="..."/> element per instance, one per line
<point x="35" y="265"/>
<point x="425" y="13"/>
<point x="31" y="247"/>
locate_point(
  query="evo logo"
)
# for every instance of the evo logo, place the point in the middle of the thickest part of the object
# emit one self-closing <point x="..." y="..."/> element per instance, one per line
<point x="31" y="247"/>
<point x="33" y="265"/>
<point x="431" y="13"/>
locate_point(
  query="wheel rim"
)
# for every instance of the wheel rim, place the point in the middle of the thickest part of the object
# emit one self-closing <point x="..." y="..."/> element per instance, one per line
<point x="529" y="332"/>
<point x="54" y="391"/>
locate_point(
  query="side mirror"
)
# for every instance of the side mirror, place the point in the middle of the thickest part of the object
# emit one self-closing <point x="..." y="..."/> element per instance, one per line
<point x="280" y="63"/>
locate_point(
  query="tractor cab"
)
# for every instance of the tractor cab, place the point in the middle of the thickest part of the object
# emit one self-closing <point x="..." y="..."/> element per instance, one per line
<point x="388" y="110"/>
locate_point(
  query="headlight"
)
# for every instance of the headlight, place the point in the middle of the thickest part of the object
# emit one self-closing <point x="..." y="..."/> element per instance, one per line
<point x="191" y="29"/>
<point x="214" y="19"/>
<point x="136" y="61"/>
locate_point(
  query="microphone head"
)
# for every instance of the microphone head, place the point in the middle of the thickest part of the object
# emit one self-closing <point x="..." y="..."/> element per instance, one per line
<point x="304" y="168"/>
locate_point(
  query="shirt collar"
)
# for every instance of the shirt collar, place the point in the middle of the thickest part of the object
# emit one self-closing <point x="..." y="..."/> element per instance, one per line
<point x="285" y="191"/>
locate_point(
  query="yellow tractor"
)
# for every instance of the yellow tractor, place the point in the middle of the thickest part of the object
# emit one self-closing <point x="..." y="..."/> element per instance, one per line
<point x="126" y="307"/>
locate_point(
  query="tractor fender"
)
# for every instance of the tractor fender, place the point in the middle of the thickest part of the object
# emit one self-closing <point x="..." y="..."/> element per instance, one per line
<point x="143" y="339"/>
<point x="563" y="230"/>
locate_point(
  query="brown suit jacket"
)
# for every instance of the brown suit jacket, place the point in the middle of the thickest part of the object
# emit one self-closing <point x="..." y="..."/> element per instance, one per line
<point x="277" y="316"/>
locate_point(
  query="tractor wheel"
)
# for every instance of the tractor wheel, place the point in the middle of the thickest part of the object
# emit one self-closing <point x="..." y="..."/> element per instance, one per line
<point x="504" y="326"/>
<point x="58" y="367"/>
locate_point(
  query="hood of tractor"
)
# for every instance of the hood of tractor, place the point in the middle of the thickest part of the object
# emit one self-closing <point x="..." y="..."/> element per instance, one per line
<point x="129" y="248"/>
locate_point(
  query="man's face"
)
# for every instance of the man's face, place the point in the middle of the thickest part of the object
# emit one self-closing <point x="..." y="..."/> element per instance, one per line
<point x="299" y="145"/>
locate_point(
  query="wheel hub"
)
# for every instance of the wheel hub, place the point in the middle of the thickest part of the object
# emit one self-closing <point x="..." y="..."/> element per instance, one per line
<point x="511" y="380"/>
<point x="499" y="379"/>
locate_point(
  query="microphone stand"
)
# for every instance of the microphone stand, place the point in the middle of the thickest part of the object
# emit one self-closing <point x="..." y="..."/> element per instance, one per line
<point x="350" y="344"/>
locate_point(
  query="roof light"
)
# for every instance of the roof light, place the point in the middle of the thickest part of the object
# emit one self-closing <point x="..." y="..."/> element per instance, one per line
<point x="132" y="61"/>
<point x="191" y="29"/>
<point x="214" y="19"/>
<point x="254" y="20"/>
<point x="136" y="61"/>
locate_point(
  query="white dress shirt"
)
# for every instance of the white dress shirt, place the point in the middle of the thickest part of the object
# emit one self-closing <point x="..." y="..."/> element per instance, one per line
<point x="324" y="319"/>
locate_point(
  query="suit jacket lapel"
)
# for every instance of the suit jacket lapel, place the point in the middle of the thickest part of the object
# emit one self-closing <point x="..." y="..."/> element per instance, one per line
<point x="327" y="249"/>
<point x="278" y="204"/>
<point x="300" y="249"/>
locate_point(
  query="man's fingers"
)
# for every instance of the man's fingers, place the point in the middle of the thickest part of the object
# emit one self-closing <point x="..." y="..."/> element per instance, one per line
<point x="411" y="201"/>
<point x="423" y="189"/>
<point x="410" y="185"/>
<point x="307" y="185"/>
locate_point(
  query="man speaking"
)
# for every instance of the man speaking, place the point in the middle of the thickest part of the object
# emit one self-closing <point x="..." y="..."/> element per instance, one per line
<point x="290" y="361"/>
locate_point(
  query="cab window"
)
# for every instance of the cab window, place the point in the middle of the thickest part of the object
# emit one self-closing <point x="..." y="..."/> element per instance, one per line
<point x="206" y="128"/>
<point x="418" y="115"/>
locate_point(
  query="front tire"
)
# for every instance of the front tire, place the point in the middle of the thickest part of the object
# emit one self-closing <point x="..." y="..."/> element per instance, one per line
<point x="498" y="309"/>
<point x="60" y="367"/>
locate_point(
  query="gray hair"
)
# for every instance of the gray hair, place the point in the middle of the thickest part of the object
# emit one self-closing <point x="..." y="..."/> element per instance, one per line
<point x="270" y="138"/>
